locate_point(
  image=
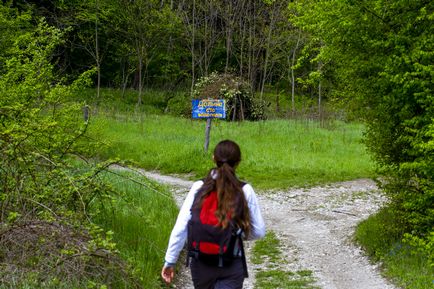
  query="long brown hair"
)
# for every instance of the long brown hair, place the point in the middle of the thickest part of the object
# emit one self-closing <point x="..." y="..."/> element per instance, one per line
<point x="232" y="204"/>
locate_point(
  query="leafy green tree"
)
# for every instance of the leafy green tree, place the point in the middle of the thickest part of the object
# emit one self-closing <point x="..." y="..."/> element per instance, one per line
<point x="87" y="32"/>
<point x="383" y="53"/>
<point x="39" y="130"/>
<point x="167" y="43"/>
<point x="145" y="27"/>
<point x="45" y="192"/>
<point x="11" y="24"/>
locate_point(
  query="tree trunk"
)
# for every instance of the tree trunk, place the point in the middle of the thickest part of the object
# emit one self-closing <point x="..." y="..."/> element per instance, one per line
<point x="228" y="47"/>
<point x="277" y="102"/>
<point x="243" y="36"/>
<point x="234" y="111"/>
<point x="242" y="109"/>
<point x="124" y="77"/>
<point x="140" y="56"/>
<point x="205" y="49"/>
<point x="192" y="49"/>
<point x="250" y="50"/>
<point x="319" y="92"/>
<point x="267" y="53"/>
<point x="319" y="101"/>
<point x="98" y="64"/>
<point x="292" y="75"/>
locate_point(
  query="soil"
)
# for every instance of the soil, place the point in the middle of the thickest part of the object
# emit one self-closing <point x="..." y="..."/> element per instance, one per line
<point x="315" y="227"/>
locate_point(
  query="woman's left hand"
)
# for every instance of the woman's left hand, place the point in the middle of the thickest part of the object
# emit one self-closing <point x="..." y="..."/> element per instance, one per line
<point x="167" y="273"/>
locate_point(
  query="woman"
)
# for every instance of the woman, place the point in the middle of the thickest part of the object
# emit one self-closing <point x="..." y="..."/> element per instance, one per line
<point x="237" y="204"/>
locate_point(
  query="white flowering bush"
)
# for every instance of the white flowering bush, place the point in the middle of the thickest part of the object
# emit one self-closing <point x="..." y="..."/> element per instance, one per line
<point x="240" y="103"/>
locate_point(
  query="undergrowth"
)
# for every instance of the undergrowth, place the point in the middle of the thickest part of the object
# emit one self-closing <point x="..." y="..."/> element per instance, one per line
<point x="381" y="238"/>
<point x="141" y="220"/>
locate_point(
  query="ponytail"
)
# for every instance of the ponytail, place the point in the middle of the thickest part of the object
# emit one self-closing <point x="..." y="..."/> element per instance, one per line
<point x="232" y="204"/>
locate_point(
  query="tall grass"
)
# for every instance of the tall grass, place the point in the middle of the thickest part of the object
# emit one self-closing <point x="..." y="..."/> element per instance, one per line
<point x="141" y="221"/>
<point x="381" y="239"/>
<point x="114" y="100"/>
<point x="275" y="153"/>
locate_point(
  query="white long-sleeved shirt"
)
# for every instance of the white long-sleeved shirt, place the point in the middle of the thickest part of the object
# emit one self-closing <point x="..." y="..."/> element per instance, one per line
<point x="179" y="232"/>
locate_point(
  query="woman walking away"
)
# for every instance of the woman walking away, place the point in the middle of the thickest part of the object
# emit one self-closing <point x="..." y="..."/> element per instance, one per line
<point x="218" y="213"/>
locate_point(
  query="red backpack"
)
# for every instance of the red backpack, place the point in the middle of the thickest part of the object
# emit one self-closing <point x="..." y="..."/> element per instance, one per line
<point x="209" y="242"/>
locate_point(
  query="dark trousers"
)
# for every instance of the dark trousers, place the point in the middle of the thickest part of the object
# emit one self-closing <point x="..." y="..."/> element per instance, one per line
<point x="211" y="277"/>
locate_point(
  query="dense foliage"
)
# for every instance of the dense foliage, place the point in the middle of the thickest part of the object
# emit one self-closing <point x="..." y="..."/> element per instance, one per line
<point x="39" y="130"/>
<point x="171" y="44"/>
<point x="383" y="54"/>
<point x="240" y="103"/>
<point x="46" y="236"/>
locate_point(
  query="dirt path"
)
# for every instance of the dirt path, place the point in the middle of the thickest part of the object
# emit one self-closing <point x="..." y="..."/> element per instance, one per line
<point x="315" y="227"/>
<point x="317" y="224"/>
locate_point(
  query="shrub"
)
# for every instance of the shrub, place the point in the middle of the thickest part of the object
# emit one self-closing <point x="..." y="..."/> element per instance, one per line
<point x="240" y="102"/>
<point x="385" y="65"/>
<point x="424" y="245"/>
<point x="44" y="196"/>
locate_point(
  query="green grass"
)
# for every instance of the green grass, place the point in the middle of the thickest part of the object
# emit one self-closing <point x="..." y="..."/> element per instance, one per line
<point x="112" y="100"/>
<point x="266" y="248"/>
<point x="276" y="153"/>
<point x="268" y="251"/>
<point x="381" y="241"/>
<point x="141" y="221"/>
<point x="282" y="279"/>
<point x="32" y="281"/>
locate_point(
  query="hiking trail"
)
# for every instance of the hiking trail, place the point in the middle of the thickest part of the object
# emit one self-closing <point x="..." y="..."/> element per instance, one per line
<point x="315" y="227"/>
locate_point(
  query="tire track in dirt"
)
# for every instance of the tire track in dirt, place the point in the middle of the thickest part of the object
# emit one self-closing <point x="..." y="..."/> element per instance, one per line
<point x="315" y="227"/>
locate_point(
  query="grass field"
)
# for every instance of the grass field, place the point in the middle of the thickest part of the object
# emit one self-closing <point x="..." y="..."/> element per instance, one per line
<point x="275" y="153"/>
<point x="141" y="220"/>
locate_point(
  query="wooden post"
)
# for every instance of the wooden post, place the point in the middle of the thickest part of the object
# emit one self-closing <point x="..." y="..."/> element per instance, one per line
<point x="207" y="131"/>
<point x="86" y="113"/>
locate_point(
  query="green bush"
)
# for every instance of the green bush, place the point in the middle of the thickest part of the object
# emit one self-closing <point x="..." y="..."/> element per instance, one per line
<point x="424" y="245"/>
<point x="383" y="57"/>
<point x="240" y="101"/>
<point x="44" y="196"/>
<point x="379" y="233"/>
<point x="39" y="132"/>
<point x="180" y="105"/>
<point x="406" y="263"/>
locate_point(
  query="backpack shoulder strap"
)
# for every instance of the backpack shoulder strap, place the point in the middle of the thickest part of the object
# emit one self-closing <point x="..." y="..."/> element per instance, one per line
<point x="243" y="257"/>
<point x="197" y="195"/>
<point x="243" y="253"/>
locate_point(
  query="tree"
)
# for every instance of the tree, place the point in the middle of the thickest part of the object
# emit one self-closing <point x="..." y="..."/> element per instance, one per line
<point x="383" y="57"/>
<point x="45" y="190"/>
<point x="91" y="14"/>
<point x="11" y="23"/>
<point x="144" y="26"/>
<point x="39" y="132"/>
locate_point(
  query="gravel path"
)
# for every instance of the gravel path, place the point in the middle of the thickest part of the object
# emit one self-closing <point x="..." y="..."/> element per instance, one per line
<point x="317" y="224"/>
<point x="315" y="227"/>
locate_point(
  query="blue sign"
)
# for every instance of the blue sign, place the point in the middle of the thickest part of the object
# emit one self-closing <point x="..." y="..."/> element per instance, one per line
<point x="208" y="108"/>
